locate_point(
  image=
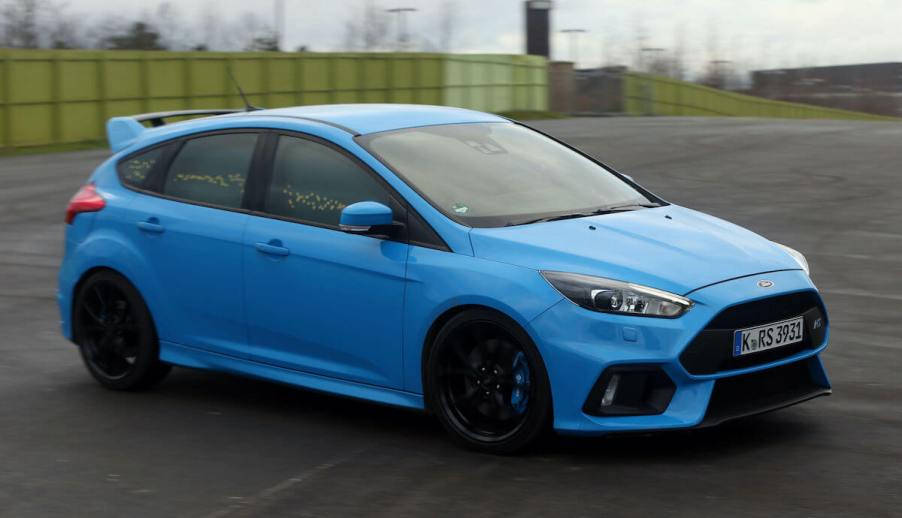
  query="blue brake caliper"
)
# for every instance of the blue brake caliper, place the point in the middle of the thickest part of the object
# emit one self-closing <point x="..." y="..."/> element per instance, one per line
<point x="520" y="392"/>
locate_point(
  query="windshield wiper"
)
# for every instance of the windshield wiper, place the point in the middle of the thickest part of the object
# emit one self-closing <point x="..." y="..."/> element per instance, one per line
<point x="632" y="206"/>
<point x="554" y="218"/>
<point x="597" y="212"/>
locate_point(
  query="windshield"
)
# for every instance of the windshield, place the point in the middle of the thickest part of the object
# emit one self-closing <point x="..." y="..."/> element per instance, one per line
<point x="497" y="174"/>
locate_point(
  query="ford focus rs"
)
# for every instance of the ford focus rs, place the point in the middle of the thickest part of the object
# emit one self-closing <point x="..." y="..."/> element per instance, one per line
<point x="430" y="258"/>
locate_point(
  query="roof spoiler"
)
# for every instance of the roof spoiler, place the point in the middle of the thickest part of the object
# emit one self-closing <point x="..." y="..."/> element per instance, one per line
<point x="122" y="131"/>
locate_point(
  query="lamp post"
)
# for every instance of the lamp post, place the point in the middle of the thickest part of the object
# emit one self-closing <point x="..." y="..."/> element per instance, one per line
<point x="574" y="44"/>
<point x="720" y="77"/>
<point x="642" y="52"/>
<point x="278" y="8"/>
<point x="401" y="24"/>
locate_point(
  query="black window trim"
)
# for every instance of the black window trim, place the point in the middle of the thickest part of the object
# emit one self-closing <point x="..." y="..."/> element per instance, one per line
<point x="153" y="171"/>
<point x="260" y="176"/>
<point x="153" y="185"/>
<point x="263" y="181"/>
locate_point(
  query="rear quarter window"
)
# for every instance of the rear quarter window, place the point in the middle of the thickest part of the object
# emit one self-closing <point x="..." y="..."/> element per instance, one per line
<point x="135" y="171"/>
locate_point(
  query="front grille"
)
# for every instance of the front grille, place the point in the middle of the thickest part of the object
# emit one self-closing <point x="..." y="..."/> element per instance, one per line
<point x="762" y="391"/>
<point x="712" y="349"/>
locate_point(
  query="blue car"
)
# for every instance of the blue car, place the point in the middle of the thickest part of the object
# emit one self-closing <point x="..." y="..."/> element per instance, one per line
<point x="432" y="258"/>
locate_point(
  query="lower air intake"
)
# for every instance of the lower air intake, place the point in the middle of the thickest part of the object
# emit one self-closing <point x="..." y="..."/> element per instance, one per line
<point x="763" y="391"/>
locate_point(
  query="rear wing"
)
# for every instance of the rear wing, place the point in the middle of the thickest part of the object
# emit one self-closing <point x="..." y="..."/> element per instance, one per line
<point x="122" y="131"/>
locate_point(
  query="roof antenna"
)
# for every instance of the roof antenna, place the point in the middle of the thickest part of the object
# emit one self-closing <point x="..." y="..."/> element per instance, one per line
<point x="248" y="107"/>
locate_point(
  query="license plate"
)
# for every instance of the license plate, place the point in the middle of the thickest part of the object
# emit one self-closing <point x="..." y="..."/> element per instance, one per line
<point x="755" y="339"/>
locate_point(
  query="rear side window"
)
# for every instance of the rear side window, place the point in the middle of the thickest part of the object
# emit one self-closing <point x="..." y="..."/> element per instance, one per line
<point x="313" y="182"/>
<point x="212" y="170"/>
<point x="135" y="171"/>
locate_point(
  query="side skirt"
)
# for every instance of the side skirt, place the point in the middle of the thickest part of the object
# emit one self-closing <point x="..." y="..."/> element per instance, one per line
<point x="183" y="356"/>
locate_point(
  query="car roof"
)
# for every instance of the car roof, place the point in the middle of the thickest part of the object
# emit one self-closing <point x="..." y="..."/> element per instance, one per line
<point x="356" y="119"/>
<point x="373" y="118"/>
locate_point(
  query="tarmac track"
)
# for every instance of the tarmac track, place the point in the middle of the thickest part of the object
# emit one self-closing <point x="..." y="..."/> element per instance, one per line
<point x="206" y="444"/>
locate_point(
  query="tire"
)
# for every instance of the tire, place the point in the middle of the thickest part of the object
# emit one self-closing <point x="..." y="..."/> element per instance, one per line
<point x="115" y="334"/>
<point x="484" y="351"/>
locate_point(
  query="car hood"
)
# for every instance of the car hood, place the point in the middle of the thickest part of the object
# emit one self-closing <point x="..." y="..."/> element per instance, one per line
<point x="670" y="248"/>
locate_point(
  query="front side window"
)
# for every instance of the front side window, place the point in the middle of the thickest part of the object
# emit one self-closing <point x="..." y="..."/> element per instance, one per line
<point x="496" y="174"/>
<point x="212" y="170"/>
<point x="313" y="182"/>
<point x="135" y="171"/>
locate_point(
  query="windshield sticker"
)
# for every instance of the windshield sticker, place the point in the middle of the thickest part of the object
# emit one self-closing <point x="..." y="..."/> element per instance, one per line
<point x="460" y="208"/>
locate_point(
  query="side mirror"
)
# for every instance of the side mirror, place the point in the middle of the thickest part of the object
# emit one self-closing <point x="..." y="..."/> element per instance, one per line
<point x="366" y="217"/>
<point x="628" y="177"/>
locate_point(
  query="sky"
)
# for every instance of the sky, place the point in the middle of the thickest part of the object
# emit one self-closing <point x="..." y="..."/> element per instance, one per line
<point x="751" y="33"/>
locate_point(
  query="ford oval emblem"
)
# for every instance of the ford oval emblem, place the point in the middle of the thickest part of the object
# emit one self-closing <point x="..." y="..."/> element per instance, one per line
<point x="765" y="283"/>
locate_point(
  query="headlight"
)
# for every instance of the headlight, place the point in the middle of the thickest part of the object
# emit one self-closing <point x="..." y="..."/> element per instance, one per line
<point x="610" y="296"/>
<point x="797" y="256"/>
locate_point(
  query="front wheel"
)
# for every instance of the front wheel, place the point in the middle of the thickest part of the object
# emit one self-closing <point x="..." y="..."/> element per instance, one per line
<point x="486" y="383"/>
<point x="115" y="333"/>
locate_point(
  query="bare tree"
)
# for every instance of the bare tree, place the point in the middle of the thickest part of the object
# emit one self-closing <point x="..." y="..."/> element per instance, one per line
<point x="678" y="57"/>
<point x="39" y="24"/>
<point x="97" y="34"/>
<point x="448" y="17"/>
<point x="50" y="24"/>
<point x="138" y="36"/>
<point x="351" y="35"/>
<point x="211" y="37"/>
<point x="660" y="63"/>
<point x="369" y="31"/>
<point x="65" y="33"/>
<point x="20" y="23"/>
<point x="716" y="67"/>
<point x="736" y="74"/>
<point x="167" y="22"/>
<point x="640" y="36"/>
<point x="267" y="41"/>
<point x="611" y="53"/>
<point x="725" y="69"/>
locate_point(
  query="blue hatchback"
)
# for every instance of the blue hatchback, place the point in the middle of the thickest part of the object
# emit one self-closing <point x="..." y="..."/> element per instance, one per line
<point x="431" y="258"/>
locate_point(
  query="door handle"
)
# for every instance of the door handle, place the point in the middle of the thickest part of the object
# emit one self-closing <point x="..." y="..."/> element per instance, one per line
<point x="274" y="247"/>
<point x="152" y="225"/>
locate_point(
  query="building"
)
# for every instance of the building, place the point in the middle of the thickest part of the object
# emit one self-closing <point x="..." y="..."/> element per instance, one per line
<point x="538" y="27"/>
<point x="872" y="87"/>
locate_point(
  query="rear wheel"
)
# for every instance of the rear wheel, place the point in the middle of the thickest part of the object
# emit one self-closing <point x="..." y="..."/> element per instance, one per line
<point x="115" y="333"/>
<point x="486" y="382"/>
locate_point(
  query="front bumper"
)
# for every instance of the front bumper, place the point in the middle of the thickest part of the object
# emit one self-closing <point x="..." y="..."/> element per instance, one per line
<point x="578" y="346"/>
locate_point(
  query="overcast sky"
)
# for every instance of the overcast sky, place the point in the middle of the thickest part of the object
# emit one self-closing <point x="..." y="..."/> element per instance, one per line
<point x="756" y="33"/>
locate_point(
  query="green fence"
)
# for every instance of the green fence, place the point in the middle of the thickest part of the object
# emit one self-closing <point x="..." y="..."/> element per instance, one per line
<point x="653" y="95"/>
<point x="61" y="97"/>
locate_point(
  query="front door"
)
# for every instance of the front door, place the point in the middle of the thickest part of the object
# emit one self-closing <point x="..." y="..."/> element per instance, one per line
<point x="320" y="300"/>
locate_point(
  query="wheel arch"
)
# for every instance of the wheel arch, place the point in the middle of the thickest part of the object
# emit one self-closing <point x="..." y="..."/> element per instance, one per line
<point x="90" y="272"/>
<point x="442" y="319"/>
<point x="438" y="323"/>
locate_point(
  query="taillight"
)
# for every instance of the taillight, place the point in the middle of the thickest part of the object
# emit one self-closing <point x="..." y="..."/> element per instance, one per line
<point x="85" y="200"/>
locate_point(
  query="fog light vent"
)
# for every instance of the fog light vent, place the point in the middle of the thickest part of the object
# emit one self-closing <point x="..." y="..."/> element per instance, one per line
<point x="610" y="391"/>
<point x="630" y="390"/>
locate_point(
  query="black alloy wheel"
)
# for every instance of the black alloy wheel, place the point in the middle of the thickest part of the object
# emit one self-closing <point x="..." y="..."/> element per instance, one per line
<point x="486" y="382"/>
<point x="115" y="333"/>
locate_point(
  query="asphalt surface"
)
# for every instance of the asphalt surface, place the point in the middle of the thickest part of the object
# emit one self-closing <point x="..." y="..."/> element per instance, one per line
<point x="206" y="444"/>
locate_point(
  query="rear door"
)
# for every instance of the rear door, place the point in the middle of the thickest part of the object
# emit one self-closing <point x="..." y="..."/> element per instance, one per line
<point x="320" y="300"/>
<point x="190" y="231"/>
